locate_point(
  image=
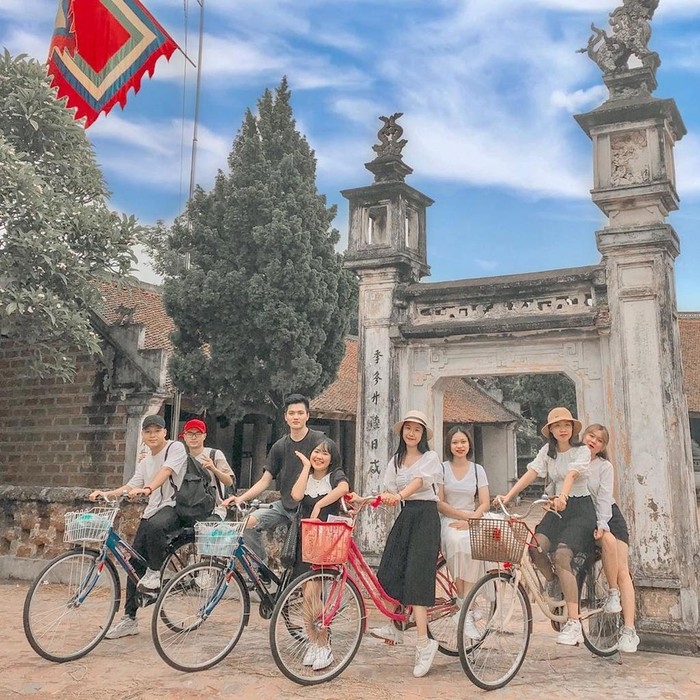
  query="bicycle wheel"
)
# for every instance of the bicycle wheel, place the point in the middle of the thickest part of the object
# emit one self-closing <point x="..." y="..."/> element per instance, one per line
<point x="182" y="555"/>
<point x="331" y="614"/>
<point x="493" y="632"/>
<point x="601" y="631"/>
<point x="199" y="616"/>
<point x="443" y="616"/>
<point x="70" y="605"/>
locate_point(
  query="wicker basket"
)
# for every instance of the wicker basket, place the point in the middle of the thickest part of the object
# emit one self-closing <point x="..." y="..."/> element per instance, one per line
<point x="498" y="540"/>
<point x="325" y="543"/>
<point x="217" y="538"/>
<point x="88" y="525"/>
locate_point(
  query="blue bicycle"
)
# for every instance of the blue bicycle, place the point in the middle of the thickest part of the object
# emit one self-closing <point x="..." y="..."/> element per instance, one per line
<point x="71" y="604"/>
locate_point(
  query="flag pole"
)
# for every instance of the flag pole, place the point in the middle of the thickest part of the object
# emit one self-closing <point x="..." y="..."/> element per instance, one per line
<point x="177" y="399"/>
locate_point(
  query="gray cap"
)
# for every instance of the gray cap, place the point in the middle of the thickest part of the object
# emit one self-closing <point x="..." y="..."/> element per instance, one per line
<point x="153" y="420"/>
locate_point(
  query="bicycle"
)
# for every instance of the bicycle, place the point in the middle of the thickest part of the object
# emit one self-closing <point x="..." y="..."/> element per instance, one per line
<point x="326" y="603"/>
<point x="72" y="602"/>
<point x="202" y="611"/>
<point x="495" y="623"/>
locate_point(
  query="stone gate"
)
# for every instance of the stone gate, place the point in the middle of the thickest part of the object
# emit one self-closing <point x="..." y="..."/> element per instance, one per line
<point x="611" y="328"/>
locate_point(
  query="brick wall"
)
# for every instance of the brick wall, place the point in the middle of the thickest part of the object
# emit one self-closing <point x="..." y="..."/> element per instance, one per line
<point x="55" y="433"/>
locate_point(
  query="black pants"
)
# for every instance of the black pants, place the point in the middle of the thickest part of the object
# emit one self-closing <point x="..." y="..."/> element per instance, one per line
<point x="150" y="542"/>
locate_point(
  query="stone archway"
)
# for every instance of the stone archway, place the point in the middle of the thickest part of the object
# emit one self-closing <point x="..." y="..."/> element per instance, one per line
<point x="611" y="328"/>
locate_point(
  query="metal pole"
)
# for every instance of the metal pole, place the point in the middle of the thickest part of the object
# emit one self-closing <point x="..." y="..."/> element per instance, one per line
<point x="177" y="398"/>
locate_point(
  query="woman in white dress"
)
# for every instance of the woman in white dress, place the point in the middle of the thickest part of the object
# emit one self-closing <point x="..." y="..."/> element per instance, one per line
<point x="464" y="495"/>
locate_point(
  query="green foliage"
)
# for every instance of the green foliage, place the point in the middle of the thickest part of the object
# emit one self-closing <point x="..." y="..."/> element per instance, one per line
<point x="56" y="233"/>
<point x="263" y="308"/>
<point x="537" y="395"/>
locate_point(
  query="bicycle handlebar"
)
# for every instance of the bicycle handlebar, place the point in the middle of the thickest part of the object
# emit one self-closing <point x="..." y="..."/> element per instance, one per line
<point x="516" y="516"/>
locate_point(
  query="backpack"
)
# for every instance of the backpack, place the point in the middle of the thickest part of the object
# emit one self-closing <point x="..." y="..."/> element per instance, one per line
<point x="196" y="497"/>
<point x="224" y="491"/>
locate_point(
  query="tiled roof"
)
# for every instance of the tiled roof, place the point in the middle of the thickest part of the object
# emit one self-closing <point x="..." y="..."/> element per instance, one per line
<point x="689" y="326"/>
<point x="463" y="401"/>
<point x="339" y="400"/>
<point x="146" y="300"/>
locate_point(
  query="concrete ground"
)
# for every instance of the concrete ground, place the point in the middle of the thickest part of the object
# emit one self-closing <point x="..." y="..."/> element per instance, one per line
<point x="130" y="669"/>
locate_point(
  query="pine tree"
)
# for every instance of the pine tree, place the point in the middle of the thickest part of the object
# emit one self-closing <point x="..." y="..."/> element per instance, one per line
<point x="57" y="234"/>
<point x="263" y="308"/>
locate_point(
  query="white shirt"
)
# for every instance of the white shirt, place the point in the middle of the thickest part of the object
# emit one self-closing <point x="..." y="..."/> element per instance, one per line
<point x="150" y="465"/>
<point x="427" y="468"/>
<point x="555" y="470"/>
<point x="462" y="493"/>
<point x="601" y="484"/>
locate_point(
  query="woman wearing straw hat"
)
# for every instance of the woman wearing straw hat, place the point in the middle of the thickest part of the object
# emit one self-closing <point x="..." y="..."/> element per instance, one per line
<point x="408" y="566"/>
<point x="564" y="465"/>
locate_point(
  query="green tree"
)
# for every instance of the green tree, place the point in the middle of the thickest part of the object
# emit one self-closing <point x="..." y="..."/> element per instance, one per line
<point x="57" y="235"/>
<point x="262" y="309"/>
<point x="537" y="394"/>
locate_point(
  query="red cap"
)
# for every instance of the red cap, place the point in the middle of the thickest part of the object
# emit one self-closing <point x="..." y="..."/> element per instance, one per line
<point x="195" y="424"/>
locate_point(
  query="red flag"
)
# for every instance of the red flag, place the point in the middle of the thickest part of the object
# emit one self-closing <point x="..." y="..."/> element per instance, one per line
<point x="100" y="50"/>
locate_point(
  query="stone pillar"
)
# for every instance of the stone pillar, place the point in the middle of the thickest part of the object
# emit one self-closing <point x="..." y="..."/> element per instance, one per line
<point x="386" y="248"/>
<point x="633" y="136"/>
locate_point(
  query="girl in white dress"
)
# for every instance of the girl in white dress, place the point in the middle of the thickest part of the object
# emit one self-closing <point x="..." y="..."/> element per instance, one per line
<point x="464" y="495"/>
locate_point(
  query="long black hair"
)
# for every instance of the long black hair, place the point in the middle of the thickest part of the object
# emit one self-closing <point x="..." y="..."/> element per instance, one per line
<point x="401" y="450"/>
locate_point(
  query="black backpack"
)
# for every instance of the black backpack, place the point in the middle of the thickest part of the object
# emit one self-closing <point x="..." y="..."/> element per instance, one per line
<point x="196" y="497"/>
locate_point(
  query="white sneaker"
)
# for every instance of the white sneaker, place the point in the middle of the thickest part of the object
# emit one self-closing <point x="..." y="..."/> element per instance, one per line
<point x="150" y="581"/>
<point x="124" y="628"/>
<point x="388" y="633"/>
<point x="311" y="654"/>
<point x="424" y="658"/>
<point x="571" y="633"/>
<point x="470" y="629"/>
<point x="629" y="641"/>
<point x="612" y="604"/>
<point x="324" y="658"/>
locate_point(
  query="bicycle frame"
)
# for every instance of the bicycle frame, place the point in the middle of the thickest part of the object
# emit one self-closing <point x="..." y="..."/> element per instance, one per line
<point x="525" y="572"/>
<point x="359" y="572"/>
<point x="112" y="543"/>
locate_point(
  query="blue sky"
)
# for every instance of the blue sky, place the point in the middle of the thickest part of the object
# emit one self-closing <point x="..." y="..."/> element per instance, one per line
<point x="488" y="89"/>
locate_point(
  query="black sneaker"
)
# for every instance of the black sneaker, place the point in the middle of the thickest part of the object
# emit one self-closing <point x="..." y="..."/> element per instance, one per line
<point x="264" y="576"/>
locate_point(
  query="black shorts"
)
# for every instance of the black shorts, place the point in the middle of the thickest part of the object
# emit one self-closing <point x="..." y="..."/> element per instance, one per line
<point x="618" y="526"/>
<point x="575" y="527"/>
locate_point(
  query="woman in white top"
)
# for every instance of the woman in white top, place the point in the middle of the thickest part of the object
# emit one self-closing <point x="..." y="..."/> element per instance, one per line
<point x="612" y="535"/>
<point x="464" y="495"/>
<point x="564" y="465"/>
<point x="408" y="566"/>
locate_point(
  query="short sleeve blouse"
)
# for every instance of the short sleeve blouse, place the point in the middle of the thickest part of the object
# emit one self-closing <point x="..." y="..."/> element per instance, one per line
<point x="428" y="468"/>
<point x="555" y="470"/>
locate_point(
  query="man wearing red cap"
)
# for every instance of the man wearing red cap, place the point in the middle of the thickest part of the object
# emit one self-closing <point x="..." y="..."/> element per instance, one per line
<point x="194" y="434"/>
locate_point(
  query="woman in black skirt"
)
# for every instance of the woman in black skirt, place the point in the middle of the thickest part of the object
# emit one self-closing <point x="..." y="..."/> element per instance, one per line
<point x="408" y="566"/>
<point x="611" y="535"/>
<point x="564" y="465"/>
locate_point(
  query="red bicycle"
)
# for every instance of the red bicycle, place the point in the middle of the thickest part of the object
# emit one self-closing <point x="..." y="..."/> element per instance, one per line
<point x="327" y="604"/>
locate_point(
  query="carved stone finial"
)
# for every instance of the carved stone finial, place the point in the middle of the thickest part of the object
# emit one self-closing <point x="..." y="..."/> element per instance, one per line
<point x="388" y="166"/>
<point x="631" y="32"/>
<point x="390" y="142"/>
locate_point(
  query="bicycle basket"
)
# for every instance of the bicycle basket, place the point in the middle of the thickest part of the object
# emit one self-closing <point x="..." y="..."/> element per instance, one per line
<point x="90" y="525"/>
<point x="498" y="540"/>
<point x="325" y="543"/>
<point x="217" y="538"/>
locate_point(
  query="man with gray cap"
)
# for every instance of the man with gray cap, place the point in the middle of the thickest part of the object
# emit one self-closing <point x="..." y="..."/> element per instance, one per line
<point x="157" y="476"/>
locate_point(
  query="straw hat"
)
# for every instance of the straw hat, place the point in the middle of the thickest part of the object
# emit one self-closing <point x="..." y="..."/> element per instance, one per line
<point x="414" y="417"/>
<point x="557" y="414"/>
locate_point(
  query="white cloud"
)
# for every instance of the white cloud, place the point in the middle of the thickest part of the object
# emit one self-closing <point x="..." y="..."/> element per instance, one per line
<point x="579" y="100"/>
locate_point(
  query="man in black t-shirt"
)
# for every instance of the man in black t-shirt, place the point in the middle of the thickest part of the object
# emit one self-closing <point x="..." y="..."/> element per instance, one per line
<point x="284" y="467"/>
